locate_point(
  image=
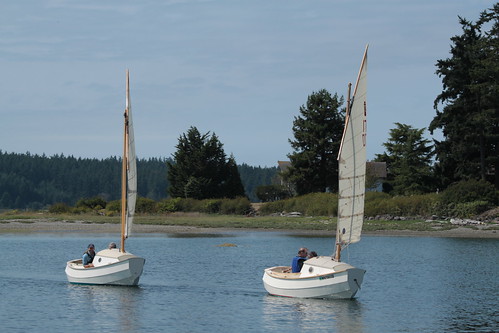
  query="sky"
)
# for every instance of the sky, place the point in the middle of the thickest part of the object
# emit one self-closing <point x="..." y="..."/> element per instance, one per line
<point x="239" y="69"/>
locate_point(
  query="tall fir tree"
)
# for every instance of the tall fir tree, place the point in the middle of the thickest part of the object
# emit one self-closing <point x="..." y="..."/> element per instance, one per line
<point x="201" y="170"/>
<point x="317" y="136"/>
<point x="470" y="104"/>
<point x="408" y="157"/>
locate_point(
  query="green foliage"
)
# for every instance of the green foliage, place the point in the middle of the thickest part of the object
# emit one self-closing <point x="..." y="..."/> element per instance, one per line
<point x="237" y="206"/>
<point x="253" y="177"/>
<point x="145" y="205"/>
<point x="467" y="209"/>
<point x="414" y="205"/>
<point x="326" y="204"/>
<point x="34" y="181"/>
<point x="312" y="204"/>
<point x="210" y="206"/>
<point x="201" y="170"/>
<point x="94" y="203"/>
<point x="169" y="205"/>
<point x="470" y="191"/>
<point x="379" y="204"/>
<point x="266" y="193"/>
<point x="59" y="208"/>
<point x="373" y="202"/>
<point x="188" y="205"/>
<point x="114" y="206"/>
<point x="408" y="159"/>
<point x="317" y="136"/>
<point x="469" y="100"/>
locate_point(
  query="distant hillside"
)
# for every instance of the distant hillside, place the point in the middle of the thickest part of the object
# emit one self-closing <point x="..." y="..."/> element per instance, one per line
<point x="34" y="181"/>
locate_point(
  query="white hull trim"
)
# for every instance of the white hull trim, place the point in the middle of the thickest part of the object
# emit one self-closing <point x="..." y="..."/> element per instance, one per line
<point x="124" y="271"/>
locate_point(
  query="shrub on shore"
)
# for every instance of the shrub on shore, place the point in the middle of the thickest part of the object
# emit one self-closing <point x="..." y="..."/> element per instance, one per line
<point x="461" y="200"/>
<point x="237" y="206"/>
<point x="481" y="197"/>
<point x="312" y="204"/>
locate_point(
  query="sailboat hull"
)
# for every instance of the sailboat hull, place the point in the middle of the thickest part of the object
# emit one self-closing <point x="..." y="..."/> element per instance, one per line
<point x="319" y="278"/>
<point x="111" y="268"/>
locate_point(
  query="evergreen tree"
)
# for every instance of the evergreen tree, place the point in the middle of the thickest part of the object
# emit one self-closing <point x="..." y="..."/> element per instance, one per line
<point x="268" y="193"/>
<point x="201" y="170"/>
<point x="470" y="99"/>
<point x="253" y="177"/>
<point x="317" y="133"/>
<point x="34" y="181"/>
<point x="408" y="159"/>
<point x="234" y="184"/>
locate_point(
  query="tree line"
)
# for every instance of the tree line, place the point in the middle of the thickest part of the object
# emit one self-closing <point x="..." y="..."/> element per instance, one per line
<point x="37" y="181"/>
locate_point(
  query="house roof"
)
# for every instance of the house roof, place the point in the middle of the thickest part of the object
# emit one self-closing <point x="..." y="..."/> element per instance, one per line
<point x="283" y="165"/>
<point x="378" y="169"/>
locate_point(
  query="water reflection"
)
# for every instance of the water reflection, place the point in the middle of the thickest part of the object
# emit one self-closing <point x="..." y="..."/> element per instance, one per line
<point x="280" y="313"/>
<point x="107" y="307"/>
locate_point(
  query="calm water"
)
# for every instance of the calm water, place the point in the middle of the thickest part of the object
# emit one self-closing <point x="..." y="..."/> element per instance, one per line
<point x="192" y="285"/>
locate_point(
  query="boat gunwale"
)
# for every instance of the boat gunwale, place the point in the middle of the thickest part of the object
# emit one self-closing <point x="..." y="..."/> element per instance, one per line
<point x="77" y="264"/>
<point x="277" y="275"/>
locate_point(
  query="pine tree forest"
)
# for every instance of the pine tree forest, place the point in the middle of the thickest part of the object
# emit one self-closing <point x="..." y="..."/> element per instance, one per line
<point x="37" y="181"/>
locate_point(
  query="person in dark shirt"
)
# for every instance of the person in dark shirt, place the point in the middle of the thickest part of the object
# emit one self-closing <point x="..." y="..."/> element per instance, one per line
<point x="88" y="256"/>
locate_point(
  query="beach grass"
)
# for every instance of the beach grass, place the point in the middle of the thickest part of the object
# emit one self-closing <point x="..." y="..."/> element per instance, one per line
<point x="270" y="222"/>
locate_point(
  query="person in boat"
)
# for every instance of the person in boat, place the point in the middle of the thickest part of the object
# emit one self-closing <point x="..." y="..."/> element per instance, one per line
<point x="312" y="254"/>
<point x="298" y="261"/>
<point x="112" y="245"/>
<point x="88" y="256"/>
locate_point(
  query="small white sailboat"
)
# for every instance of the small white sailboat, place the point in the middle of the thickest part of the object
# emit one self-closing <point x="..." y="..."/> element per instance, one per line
<point x="116" y="266"/>
<point x="327" y="276"/>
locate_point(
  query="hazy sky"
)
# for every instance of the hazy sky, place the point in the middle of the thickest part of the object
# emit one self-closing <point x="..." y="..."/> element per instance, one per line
<point x="240" y="69"/>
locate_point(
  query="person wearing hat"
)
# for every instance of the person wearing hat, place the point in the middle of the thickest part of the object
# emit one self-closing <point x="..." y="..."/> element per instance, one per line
<point x="88" y="256"/>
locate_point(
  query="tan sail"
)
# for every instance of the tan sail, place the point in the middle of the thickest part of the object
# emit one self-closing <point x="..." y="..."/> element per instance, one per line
<point x="129" y="171"/>
<point x="352" y="165"/>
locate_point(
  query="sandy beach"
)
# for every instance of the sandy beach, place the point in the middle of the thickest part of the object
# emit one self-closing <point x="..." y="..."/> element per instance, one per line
<point x="41" y="225"/>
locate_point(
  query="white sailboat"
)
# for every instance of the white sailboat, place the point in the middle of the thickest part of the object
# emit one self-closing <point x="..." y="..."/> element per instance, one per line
<point x="116" y="266"/>
<point x="327" y="276"/>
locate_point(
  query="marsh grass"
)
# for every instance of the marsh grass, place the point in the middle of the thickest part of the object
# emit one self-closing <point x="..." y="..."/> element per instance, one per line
<point x="324" y="223"/>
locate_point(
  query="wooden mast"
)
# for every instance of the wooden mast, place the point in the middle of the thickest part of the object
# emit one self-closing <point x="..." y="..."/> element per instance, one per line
<point x="337" y="256"/>
<point x="124" y="170"/>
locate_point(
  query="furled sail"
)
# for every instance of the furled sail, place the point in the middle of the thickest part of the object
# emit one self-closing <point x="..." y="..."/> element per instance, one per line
<point x="352" y="164"/>
<point x="131" y="166"/>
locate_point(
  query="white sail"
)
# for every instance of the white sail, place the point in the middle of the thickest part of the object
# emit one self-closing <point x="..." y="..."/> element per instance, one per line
<point x="131" y="167"/>
<point x="352" y="164"/>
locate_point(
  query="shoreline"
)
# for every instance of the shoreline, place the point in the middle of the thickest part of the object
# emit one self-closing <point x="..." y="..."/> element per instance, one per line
<point x="40" y="225"/>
